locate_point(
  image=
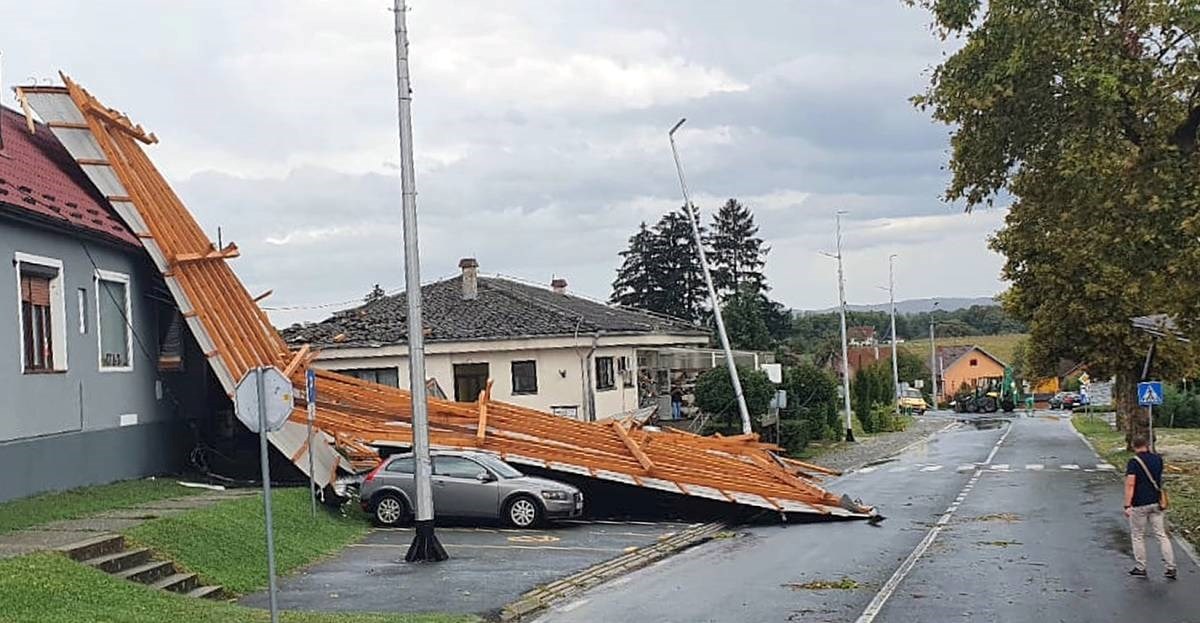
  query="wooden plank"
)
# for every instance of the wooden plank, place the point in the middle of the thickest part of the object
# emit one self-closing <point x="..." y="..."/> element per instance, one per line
<point x="296" y="361"/>
<point x="230" y="251"/>
<point x="485" y="397"/>
<point x="637" y="453"/>
<point x="263" y="295"/>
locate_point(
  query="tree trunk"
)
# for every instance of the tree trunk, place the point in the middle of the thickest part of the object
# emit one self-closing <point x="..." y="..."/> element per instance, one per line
<point x="1130" y="417"/>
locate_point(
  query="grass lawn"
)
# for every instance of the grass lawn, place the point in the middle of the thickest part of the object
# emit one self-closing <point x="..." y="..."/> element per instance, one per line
<point x="48" y="587"/>
<point x="1181" y="449"/>
<point x="86" y="501"/>
<point x="998" y="345"/>
<point x="225" y="543"/>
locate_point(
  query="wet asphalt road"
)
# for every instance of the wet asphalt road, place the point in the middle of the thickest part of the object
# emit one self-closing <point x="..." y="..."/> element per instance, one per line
<point x="488" y="567"/>
<point x="1035" y="534"/>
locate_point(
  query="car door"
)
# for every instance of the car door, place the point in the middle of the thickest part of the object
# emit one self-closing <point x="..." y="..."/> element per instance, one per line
<point x="458" y="491"/>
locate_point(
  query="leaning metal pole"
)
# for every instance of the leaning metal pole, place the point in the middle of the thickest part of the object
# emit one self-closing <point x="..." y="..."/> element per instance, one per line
<point x="845" y="349"/>
<point x="425" y="545"/>
<point x="712" y="291"/>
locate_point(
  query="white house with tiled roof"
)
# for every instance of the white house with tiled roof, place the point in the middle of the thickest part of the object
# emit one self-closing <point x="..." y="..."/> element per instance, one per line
<point x="540" y="347"/>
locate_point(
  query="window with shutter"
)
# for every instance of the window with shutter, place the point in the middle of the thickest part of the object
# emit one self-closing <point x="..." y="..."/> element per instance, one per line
<point x="37" y="335"/>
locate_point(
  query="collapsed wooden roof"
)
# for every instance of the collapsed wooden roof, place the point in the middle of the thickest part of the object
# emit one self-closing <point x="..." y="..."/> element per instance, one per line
<point x="237" y="336"/>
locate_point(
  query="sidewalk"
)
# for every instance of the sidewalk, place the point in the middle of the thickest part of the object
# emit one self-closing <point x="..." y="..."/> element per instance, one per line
<point x="61" y="533"/>
<point x="843" y="456"/>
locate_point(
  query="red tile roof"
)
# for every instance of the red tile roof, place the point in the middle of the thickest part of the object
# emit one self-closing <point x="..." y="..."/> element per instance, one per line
<point x="39" y="179"/>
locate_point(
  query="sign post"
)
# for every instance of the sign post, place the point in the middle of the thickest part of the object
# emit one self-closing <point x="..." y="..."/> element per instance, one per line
<point x="310" y="395"/>
<point x="1150" y="393"/>
<point x="263" y="401"/>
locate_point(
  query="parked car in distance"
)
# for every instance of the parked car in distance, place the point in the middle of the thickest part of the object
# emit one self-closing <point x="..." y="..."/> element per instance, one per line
<point x="1064" y="400"/>
<point x="912" y="400"/>
<point x="467" y="484"/>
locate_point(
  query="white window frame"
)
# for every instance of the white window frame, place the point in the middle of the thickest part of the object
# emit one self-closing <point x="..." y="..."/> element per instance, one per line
<point x="58" y="310"/>
<point x="112" y="276"/>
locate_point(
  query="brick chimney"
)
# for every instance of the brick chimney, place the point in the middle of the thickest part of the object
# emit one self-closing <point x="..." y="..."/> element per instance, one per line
<point x="559" y="285"/>
<point x="470" y="278"/>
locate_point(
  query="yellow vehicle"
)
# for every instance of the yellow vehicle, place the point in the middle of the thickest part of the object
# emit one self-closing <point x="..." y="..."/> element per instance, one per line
<point x="911" y="401"/>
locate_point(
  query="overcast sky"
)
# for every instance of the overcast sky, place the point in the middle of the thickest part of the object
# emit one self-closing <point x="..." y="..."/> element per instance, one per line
<point x="540" y="134"/>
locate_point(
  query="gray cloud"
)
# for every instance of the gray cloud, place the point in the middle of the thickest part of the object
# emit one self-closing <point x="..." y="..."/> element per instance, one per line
<point x="540" y="133"/>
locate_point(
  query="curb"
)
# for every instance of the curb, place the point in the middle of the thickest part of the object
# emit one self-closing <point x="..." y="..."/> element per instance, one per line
<point x="543" y="596"/>
<point x="891" y="455"/>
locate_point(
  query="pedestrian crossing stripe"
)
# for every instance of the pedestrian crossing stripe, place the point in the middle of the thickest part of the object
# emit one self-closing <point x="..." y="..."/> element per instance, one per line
<point x="995" y="467"/>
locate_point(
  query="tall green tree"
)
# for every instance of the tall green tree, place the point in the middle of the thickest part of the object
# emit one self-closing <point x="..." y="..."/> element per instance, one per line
<point x="638" y="279"/>
<point x="683" y="293"/>
<point x="746" y="322"/>
<point x="1086" y="114"/>
<point x="738" y="255"/>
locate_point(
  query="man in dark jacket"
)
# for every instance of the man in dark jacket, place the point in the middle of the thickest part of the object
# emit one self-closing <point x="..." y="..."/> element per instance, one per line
<point x="1143" y="486"/>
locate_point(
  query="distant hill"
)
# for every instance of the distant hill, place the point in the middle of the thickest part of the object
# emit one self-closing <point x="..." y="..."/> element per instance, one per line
<point x="914" y="306"/>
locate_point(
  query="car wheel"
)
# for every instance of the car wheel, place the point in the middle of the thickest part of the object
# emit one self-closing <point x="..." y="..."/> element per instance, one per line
<point x="522" y="511"/>
<point x="390" y="510"/>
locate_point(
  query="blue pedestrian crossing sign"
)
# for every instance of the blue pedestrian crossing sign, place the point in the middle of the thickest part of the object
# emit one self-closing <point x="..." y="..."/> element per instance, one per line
<point x="1150" y="393"/>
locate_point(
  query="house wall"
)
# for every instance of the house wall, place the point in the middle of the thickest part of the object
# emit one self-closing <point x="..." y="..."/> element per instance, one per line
<point x="961" y="371"/>
<point x="80" y="425"/>
<point x="560" y="369"/>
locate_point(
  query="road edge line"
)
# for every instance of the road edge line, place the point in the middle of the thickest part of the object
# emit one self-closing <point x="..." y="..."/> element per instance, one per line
<point x="889" y="588"/>
<point x="537" y="599"/>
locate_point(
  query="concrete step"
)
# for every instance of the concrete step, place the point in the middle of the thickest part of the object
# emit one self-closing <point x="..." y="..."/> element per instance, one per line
<point x="149" y="572"/>
<point x="177" y="583"/>
<point x="120" y="561"/>
<point x="94" y="547"/>
<point x="206" y="592"/>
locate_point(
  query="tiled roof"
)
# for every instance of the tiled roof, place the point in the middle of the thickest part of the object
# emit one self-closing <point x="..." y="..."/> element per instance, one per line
<point x="40" y="180"/>
<point x="503" y="309"/>
<point x="950" y="354"/>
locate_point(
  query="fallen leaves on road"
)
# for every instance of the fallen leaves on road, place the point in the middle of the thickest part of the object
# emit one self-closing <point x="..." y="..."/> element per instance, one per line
<point x="844" y="584"/>
<point x="1000" y="543"/>
<point x="1009" y="517"/>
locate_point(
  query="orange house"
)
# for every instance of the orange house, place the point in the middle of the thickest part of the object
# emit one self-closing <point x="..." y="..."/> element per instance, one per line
<point x="966" y="365"/>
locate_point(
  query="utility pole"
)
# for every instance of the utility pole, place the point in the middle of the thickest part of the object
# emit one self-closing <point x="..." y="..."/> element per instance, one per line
<point x="845" y="347"/>
<point x="933" y="370"/>
<point x="712" y="292"/>
<point x="892" y="299"/>
<point x="425" y="545"/>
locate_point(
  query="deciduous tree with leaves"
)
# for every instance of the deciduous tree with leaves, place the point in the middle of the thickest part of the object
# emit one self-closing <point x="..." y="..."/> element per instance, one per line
<point x="1086" y="114"/>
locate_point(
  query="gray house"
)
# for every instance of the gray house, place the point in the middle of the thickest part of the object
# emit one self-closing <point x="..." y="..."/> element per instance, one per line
<point x="96" y="375"/>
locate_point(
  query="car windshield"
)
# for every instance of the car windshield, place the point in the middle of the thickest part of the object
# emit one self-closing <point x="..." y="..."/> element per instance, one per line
<point x="500" y="468"/>
<point x="912" y="393"/>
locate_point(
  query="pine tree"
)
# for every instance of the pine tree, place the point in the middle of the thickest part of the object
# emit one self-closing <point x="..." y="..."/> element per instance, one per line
<point x="635" y="285"/>
<point x="682" y="278"/>
<point x="738" y="254"/>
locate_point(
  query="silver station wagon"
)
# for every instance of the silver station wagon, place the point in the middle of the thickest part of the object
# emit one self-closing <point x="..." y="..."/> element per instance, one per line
<point x="467" y="484"/>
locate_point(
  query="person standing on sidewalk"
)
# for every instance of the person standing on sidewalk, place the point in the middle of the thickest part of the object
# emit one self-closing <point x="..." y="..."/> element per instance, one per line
<point x="1144" y="505"/>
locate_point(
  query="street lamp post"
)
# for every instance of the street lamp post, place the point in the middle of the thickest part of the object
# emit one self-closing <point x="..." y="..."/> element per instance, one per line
<point x="845" y="347"/>
<point x="712" y="291"/>
<point x="425" y="545"/>
<point x="892" y="304"/>
<point x="933" y="358"/>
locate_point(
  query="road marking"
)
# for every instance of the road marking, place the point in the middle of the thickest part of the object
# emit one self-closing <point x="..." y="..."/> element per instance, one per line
<point x="889" y="587"/>
<point x="897" y="470"/>
<point x="1035" y="467"/>
<point x="1000" y="467"/>
<point x="1105" y="466"/>
<point x="966" y="468"/>
<point x="931" y="468"/>
<point x="867" y="470"/>
<point x="557" y="548"/>
<point x="533" y="538"/>
<point x="1070" y="466"/>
